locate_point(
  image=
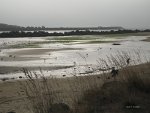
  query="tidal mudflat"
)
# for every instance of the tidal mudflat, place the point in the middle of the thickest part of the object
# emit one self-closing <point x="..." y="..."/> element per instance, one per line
<point x="67" y="55"/>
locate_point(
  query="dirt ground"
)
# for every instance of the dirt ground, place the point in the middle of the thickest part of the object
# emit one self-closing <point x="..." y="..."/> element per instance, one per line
<point x="13" y="97"/>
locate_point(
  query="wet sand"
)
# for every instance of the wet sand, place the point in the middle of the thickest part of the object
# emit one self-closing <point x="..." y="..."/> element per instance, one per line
<point x="19" y="58"/>
<point x="147" y="39"/>
<point x="11" y="69"/>
<point x="39" y="51"/>
<point x="52" y="55"/>
<point x="31" y="54"/>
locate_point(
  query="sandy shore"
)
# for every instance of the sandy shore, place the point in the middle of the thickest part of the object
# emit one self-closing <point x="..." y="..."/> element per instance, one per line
<point x="39" y="51"/>
<point x="31" y="54"/>
<point x="9" y="69"/>
<point x="147" y="40"/>
<point x="13" y="98"/>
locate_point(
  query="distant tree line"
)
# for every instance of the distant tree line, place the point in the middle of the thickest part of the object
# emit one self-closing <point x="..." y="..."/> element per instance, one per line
<point x="6" y="27"/>
<point x="77" y="32"/>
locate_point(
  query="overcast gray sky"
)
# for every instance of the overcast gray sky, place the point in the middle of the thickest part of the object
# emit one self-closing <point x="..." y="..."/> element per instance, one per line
<point x="73" y="13"/>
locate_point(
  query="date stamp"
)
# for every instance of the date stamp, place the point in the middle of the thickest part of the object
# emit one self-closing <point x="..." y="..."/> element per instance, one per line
<point x="132" y="107"/>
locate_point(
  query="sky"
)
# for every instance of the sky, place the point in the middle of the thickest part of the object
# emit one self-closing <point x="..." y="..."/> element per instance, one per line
<point x="76" y="13"/>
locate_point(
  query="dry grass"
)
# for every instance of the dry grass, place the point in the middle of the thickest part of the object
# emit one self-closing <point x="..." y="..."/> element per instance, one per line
<point x="128" y="93"/>
<point x="44" y="92"/>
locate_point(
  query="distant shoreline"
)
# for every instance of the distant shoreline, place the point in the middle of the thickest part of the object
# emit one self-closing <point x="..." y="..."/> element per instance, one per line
<point x="6" y="27"/>
<point x="14" y="34"/>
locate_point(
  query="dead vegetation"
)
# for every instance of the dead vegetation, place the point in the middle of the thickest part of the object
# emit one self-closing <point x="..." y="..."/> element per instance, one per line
<point x="128" y="92"/>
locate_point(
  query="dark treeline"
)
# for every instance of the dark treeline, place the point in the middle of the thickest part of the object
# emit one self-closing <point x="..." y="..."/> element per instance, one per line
<point x="6" y="27"/>
<point x="77" y="32"/>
